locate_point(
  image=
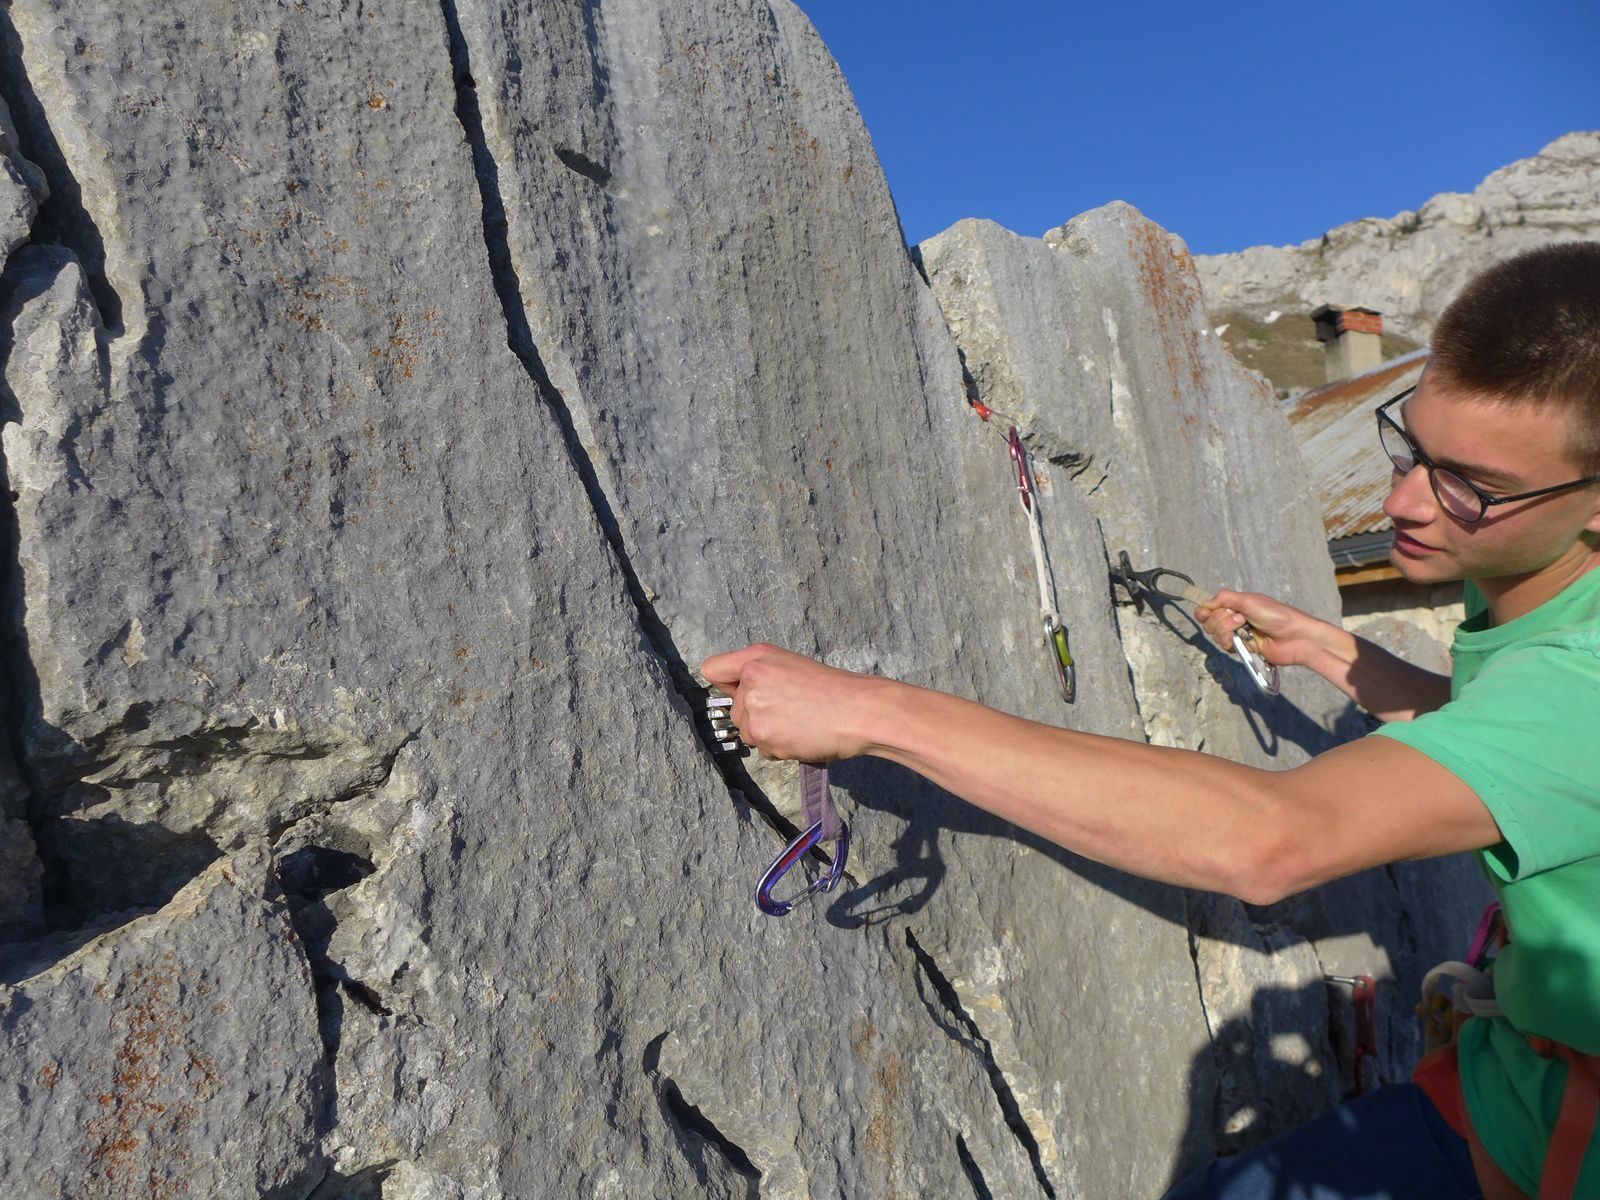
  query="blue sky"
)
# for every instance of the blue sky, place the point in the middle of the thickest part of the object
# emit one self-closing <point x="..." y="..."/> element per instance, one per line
<point x="1230" y="124"/>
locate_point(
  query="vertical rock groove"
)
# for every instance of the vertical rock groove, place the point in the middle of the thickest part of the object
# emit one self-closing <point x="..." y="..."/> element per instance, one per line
<point x="63" y="218"/>
<point x="519" y="337"/>
<point x="1009" y="1107"/>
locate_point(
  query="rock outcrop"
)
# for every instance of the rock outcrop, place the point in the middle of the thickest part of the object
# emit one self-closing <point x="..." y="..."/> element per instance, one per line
<point x="1411" y="265"/>
<point x="182" y="1046"/>
<point x="397" y="406"/>
<point x="1094" y="340"/>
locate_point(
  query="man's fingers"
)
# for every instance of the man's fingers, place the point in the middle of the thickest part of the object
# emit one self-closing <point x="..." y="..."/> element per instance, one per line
<point x="726" y="669"/>
<point x="1228" y="598"/>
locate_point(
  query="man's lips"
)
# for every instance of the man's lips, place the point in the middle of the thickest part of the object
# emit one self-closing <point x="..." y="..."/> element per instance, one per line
<point x="1404" y="541"/>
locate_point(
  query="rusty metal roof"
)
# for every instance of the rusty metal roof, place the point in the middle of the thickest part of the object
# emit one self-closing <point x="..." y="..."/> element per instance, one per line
<point x="1338" y="437"/>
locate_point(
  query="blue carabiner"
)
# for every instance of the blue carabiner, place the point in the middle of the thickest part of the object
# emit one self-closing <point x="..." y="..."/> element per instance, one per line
<point x="793" y="853"/>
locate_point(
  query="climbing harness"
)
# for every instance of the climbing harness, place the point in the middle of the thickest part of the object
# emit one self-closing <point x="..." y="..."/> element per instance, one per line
<point x="1140" y="585"/>
<point x="1456" y="992"/>
<point x="1364" y="996"/>
<point x="819" y="814"/>
<point x="1055" y="633"/>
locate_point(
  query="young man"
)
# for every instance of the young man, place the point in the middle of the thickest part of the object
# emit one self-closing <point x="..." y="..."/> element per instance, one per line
<point x="1496" y="458"/>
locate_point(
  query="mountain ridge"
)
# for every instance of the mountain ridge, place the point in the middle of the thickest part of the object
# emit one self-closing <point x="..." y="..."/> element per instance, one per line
<point x="1411" y="265"/>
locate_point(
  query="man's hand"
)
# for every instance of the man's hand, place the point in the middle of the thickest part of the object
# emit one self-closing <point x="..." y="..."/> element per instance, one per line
<point x="1387" y="687"/>
<point x="1286" y="636"/>
<point x="788" y="706"/>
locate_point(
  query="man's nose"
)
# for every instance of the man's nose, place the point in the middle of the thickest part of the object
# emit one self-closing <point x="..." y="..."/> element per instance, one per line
<point x="1411" y="497"/>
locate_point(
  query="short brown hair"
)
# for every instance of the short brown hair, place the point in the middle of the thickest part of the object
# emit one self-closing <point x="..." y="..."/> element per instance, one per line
<point x="1527" y="330"/>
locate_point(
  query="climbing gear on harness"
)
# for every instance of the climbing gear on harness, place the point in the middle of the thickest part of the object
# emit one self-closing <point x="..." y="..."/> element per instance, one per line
<point x="1439" y="1073"/>
<point x="1364" y="996"/>
<point x="1464" y="987"/>
<point x="822" y="822"/>
<point x="1140" y="585"/>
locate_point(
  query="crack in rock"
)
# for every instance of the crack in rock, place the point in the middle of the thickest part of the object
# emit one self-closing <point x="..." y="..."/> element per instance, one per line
<point x="733" y="1170"/>
<point x="132" y="832"/>
<point x="962" y="1028"/>
<point x="519" y="336"/>
<point x="980" y="1187"/>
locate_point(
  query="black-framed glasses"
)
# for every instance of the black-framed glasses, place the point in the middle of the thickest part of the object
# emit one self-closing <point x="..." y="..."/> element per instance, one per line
<point x="1457" y="495"/>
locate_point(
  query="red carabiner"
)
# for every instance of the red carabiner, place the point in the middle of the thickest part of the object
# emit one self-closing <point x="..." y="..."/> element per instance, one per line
<point x="1364" y="995"/>
<point x="1020" y="456"/>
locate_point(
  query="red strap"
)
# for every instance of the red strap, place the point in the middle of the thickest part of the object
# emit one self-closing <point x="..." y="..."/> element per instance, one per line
<point x="1580" y="1112"/>
<point x="1439" y="1077"/>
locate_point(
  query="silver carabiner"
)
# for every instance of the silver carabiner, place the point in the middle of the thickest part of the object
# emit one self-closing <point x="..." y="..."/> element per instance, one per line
<point x="1255" y="663"/>
<point x="1055" y="639"/>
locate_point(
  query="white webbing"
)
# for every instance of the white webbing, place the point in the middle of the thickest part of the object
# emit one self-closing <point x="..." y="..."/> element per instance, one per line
<point x="1041" y="569"/>
<point x="1471" y="992"/>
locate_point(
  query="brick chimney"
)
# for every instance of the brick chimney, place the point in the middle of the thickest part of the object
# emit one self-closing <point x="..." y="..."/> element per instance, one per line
<point x="1351" y="340"/>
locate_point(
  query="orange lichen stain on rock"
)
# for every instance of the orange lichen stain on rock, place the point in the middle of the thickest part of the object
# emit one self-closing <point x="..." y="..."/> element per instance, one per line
<point x="886" y="1121"/>
<point x="401" y="351"/>
<point x="377" y="100"/>
<point x="50" y="1074"/>
<point x="131" y="1148"/>
<point x="1172" y="289"/>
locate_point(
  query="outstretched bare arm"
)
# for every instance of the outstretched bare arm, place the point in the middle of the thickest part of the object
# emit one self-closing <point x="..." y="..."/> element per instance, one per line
<point x="1174" y="815"/>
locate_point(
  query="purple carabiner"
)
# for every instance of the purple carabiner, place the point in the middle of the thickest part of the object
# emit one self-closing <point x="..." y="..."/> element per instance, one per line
<point x="793" y="853"/>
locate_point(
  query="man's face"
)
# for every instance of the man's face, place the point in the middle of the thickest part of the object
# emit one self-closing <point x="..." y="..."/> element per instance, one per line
<point x="1504" y="450"/>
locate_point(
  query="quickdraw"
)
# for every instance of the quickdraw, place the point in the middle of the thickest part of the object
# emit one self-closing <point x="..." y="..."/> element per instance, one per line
<point x="1055" y="633"/>
<point x="822" y="822"/>
<point x="1364" y="996"/>
<point x="1140" y="585"/>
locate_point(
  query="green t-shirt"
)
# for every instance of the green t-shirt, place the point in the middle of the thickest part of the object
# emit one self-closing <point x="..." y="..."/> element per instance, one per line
<point x="1522" y="730"/>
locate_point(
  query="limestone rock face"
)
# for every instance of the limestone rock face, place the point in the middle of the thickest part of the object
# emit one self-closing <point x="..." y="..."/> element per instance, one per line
<point x="1411" y="265"/>
<point x="177" y="1056"/>
<point x="22" y="188"/>
<point x="397" y="407"/>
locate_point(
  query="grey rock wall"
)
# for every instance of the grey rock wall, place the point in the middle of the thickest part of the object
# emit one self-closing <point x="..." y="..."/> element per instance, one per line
<point x="22" y="188"/>
<point x="397" y="406"/>
<point x="182" y="1046"/>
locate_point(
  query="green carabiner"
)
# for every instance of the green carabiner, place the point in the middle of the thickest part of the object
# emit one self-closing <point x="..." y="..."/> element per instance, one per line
<point x="1056" y="638"/>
